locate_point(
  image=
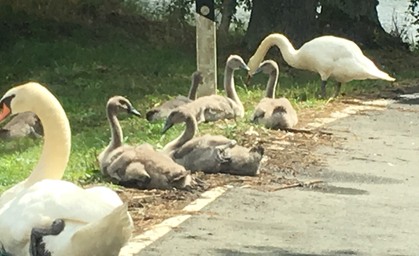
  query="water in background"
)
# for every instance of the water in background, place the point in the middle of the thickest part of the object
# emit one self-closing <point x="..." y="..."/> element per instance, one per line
<point x="391" y="13"/>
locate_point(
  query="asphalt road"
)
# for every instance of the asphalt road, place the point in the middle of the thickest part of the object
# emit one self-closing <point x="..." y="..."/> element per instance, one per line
<point x="369" y="207"/>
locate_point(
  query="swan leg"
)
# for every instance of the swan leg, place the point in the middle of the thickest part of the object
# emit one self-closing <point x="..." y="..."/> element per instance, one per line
<point x="337" y="89"/>
<point x="36" y="247"/>
<point x="221" y="154"/>
<point x="323" y="90"/>
<point x="230" y="144"/>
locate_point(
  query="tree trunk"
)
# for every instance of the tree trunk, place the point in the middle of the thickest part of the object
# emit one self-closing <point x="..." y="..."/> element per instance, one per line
<point x="295" y="19"/>
<point x="357" y="21"/>
<point x="228" y="8"/>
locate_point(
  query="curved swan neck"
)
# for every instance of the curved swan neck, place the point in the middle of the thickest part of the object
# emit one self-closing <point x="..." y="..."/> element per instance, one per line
<point x="188" y="134"/>
<point x="194" y="88"/>
<point x="288" y="51"/>
<point x="116" y="130"/>
<point x="270" y="88"/>
<point x="57" y="138"/>
<point x="229" y="85"/>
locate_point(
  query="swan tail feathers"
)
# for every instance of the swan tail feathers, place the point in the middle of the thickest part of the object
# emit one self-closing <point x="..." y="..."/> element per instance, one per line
<point x="117" y="226"/>
<point x="382" y="75"/>
<point x="389" y="78"/>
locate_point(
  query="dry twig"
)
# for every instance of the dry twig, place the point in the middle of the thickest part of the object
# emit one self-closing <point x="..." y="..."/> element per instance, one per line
<point x="311" y="131"/>
<point x="362" y="103"/>
<point x="299" y="184"/>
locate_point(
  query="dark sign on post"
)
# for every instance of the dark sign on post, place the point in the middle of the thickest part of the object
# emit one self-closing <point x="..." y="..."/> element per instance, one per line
<point x="206" y="9"/>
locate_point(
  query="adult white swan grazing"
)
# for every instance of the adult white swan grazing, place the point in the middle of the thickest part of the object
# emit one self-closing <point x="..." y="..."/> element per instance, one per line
<point x="329" y="56"/>
<point x="96" y="222"/>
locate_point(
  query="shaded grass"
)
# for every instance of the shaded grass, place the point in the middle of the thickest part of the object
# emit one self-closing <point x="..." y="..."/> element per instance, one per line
<point x="84" y="72"/>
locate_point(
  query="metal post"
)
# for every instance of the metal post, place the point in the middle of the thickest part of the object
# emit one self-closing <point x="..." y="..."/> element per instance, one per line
<point x="206" y="50"/>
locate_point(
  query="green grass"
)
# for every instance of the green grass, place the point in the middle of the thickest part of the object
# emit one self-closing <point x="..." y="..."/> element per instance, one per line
<point x="83" y="72"/>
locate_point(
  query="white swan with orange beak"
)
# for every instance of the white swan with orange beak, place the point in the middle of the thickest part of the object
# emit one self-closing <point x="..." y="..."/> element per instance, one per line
<point x="69" y="220"/>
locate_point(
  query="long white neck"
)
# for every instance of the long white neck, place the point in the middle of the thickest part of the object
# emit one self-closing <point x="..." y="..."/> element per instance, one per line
<point x="57" y="138"/>
<point x="288" y="51"/>
<point x="116" y="130"/>
<point x="188" y="134"/>
<point x="273" y="80"/>
<point x="194" y="87"/>
<point x="230" y="87"/>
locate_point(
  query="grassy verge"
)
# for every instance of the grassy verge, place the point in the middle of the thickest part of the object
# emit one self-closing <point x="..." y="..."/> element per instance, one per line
<point x="84" y="71"/>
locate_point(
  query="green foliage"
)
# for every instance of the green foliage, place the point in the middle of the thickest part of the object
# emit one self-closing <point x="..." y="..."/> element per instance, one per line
<point x="84" y="66"/>
<point x="84" y="75"/>
<point x="354" y="9"/>
<point x="245" y="4"/>
<point x="67" y="10"/>
<point x="413" y="11"/>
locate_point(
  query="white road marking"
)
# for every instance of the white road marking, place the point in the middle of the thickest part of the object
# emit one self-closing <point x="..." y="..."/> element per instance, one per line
<point x="142" y="241"/>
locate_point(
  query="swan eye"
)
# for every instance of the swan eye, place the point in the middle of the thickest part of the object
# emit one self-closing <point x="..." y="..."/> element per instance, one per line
<point x="124" y="104"/>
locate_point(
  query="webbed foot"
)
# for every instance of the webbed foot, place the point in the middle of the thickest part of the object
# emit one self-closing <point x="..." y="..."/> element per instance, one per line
<point x="222" y="156"/>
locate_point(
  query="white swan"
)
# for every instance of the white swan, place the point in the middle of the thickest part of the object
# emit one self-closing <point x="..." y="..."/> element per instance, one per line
<point x="329" y="56"/>
<point x="96" y="221"/>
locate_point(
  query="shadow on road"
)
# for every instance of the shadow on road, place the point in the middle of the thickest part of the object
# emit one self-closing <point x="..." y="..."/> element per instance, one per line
<point x="340" y="176"/>
<point x="274" y="251"/>
<point x="407" y="96"/>
<point x="337" y="190"/>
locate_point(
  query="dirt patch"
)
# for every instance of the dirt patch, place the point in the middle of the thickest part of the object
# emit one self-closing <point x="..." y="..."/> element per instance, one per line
<point x="309" y="115"/>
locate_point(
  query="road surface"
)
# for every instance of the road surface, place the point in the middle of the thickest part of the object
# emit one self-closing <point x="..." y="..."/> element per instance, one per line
<point x="369" y="207"/>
